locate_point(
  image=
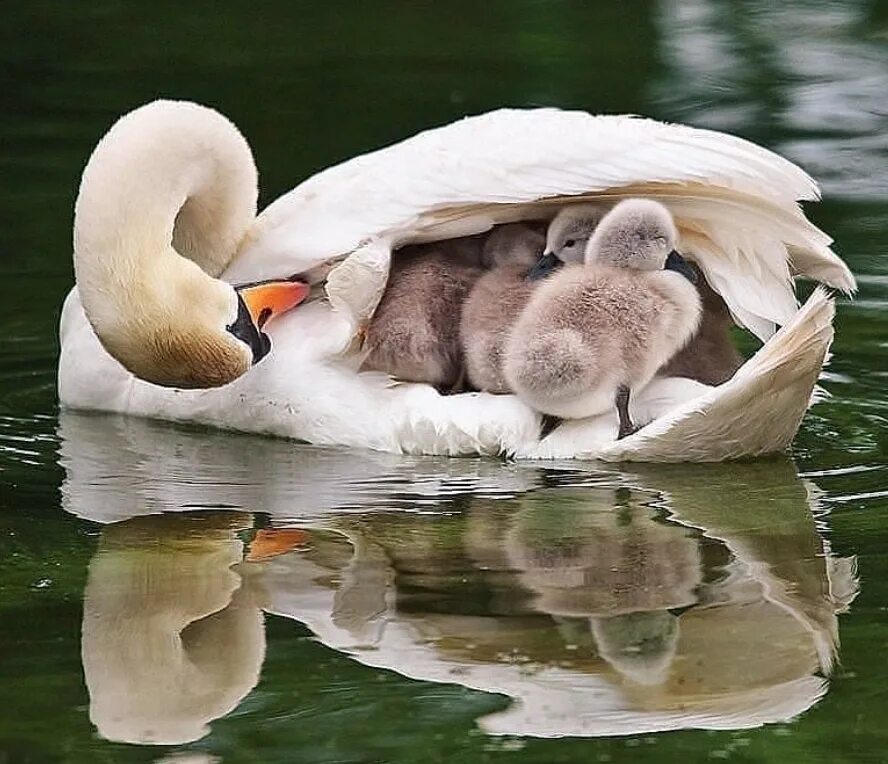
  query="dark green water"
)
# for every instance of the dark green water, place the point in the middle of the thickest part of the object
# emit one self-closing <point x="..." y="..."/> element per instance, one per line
<point x="574" y="612"/>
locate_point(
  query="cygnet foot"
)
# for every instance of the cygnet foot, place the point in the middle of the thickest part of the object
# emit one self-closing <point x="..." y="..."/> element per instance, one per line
<point x="461" y="385"/>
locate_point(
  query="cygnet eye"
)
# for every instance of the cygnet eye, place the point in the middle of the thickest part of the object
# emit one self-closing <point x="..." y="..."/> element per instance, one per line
<point x="570" y="243"/>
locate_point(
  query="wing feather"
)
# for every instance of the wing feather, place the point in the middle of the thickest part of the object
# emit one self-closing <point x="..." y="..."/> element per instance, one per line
<point x="736" y="203"/>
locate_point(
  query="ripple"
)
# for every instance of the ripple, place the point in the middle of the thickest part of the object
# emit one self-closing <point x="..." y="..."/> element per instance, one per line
<point x="859" y="496"/>
<point x="835" y="471"/>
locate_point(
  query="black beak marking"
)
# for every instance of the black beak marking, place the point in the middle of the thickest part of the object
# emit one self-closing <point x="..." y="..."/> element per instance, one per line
<point x="544" y="266"/>
<point x="246" y="331"/>
<point x="675" y="262"/>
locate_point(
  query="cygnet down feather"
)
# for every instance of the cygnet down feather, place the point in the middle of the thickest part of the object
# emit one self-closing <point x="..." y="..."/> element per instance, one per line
<point x="414" y="333"/>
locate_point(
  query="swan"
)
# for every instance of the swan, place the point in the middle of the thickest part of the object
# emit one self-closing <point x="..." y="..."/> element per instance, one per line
<point x="495" y="302"/>
<point x="148" y="242"/>
<point x="735" y="204"/>
<point x="592" y="333"/>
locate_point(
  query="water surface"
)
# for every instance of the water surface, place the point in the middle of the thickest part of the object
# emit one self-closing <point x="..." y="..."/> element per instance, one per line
<point x="172" y="594"/>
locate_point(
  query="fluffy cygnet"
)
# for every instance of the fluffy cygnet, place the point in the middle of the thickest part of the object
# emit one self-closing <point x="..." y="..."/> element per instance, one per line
<point x="414" y="333"/>
<point x="590" y="333"/>
<point x="496" y="300"/>
<point x="710" y="356"/>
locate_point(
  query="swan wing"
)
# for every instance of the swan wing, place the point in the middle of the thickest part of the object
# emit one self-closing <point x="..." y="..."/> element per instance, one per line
<point x="736" y="203"/>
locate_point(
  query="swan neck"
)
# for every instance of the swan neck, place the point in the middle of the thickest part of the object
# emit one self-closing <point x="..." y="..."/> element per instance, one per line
<point x="165" y="201"/>
<point x="168" y="173"/>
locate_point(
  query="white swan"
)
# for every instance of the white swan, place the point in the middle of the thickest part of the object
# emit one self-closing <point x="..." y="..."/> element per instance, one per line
<point x="735" y="205"/>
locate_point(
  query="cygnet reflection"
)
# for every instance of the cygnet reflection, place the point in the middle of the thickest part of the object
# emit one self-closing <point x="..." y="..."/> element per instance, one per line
<point x="599" y="610"/>
<point x="612" y="565"/>
<point x="640" y="646"/>
<point x="602" y="553"/>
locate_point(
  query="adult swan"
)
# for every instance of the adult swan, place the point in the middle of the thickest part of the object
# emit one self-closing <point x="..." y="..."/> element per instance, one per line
<point x="165" y="222"/>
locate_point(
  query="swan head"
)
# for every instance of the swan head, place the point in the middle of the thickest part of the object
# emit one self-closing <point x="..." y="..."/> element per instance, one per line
<point x="639" y="234"/>
<point x="194" y="332"/>
<point x="166" y="200"/>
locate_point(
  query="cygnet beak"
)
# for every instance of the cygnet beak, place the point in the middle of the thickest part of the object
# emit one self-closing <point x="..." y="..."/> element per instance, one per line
<point x="675" y="262"/>
<point x="544" y="266"/>
<point x="267" y="299"/>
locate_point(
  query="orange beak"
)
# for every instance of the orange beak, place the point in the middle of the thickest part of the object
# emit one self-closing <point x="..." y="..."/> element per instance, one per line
<point x="267" y="299"/>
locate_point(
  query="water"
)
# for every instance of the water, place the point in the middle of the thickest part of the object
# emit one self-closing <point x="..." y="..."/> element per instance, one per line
<point x="250" y="600"/>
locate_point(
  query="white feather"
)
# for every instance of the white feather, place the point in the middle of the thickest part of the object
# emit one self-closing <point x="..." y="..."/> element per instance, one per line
<point x="464" y="177"/>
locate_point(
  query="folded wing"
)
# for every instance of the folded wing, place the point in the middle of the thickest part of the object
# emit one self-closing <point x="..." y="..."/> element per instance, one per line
<point x="736" y="203"/>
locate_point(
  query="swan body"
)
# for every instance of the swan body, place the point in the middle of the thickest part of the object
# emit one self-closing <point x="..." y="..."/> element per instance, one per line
<point x="736" y="208"/>
<point x="495" y="302"/>
<point x="593" y="329"/>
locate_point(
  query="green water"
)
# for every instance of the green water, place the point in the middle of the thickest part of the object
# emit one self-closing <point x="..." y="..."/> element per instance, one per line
<point x="422" y="610"/>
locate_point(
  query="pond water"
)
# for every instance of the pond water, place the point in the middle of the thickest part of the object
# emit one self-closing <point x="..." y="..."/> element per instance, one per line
<point x="172" y="594"/>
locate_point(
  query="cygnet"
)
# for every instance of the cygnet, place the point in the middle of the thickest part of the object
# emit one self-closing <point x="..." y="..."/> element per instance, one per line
<point x="496" y="300"/>
<point x="591" y="333"/>
<point x="414" y="333"/>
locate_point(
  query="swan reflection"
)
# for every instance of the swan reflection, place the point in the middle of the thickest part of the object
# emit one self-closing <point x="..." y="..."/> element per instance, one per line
<point x="600" y="602"/>
<point x="173" y="637"/>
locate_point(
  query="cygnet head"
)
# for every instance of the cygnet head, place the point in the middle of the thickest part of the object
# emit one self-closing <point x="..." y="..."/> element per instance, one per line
<point x="571" y="228"/>
<point x="638" y="234"/>
<point x="512" y="244"/>
<point x="641" y="646"/>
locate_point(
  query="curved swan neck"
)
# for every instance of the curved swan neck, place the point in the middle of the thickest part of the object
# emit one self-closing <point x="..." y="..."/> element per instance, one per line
<point x="165" y="200"/>
<point x="169" y="172"/>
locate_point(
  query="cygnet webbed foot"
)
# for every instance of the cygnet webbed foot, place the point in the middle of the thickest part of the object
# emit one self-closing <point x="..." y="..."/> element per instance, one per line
<point x="626" y="425"/>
